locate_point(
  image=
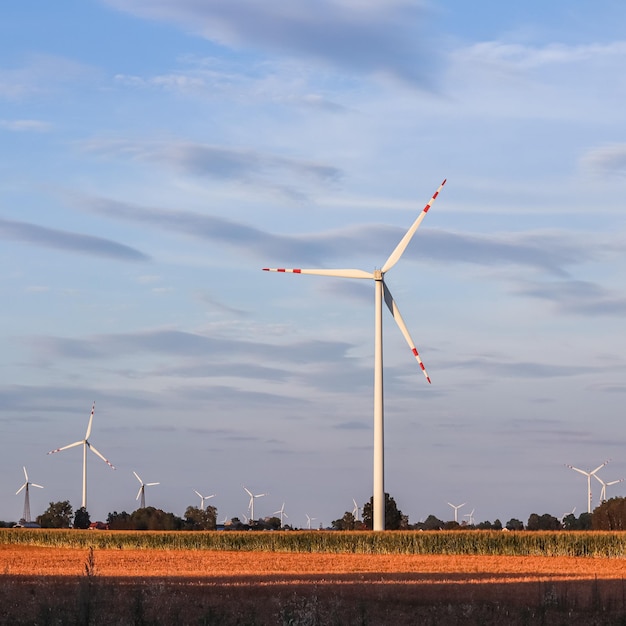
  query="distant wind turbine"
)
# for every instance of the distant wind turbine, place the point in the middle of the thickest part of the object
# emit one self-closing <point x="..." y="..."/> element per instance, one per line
<point x="252" y="499"/>
<point x="381" y="293"/>
<point x="282" y="514"/>
<point x="309" y="520"/>
<point x="203" y="498"/>
<point x="456" y="508"/>
<point x="356" y="511"/>
<point x="25" y="486"/>
<point x="86" y="444"/>
<point x="588" y="475"/>
<point x="142" y="490"/>
<point x="605" y="485"/>
<point x="470" y="517"/>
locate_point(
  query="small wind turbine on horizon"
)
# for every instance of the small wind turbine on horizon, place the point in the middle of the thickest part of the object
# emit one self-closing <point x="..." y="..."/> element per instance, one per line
<point x="309" y="520"/>
<point x="282" y="514"/>
<point x="86" y="444"/>
<point x="588" y="475"/>
<point x="605" y="485"/>
<point x="456" y="508"/>
<point x="470" y="517"/>
<point x="253" y="497"/>
<point x="203" y="498"/>
<point x="356" y="511"/>
<point x="25" y="486"/>
<point x="381" y="293"/>
<point x="142" y="490"/>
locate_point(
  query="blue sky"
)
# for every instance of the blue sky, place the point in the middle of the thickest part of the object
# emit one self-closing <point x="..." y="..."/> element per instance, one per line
<point x="155" y="155"/>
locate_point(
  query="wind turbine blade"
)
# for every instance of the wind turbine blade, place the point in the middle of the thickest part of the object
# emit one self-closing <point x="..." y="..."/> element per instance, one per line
<point x="579" y="470"/>
<point x="152" y="484"/>
<point x="25" y="474"/>
<point x="614" y="482"/>
<point x="93" y="408"/>
<point x="199" y="494"/>
<point x="20" y="489"/>
<point x="41" y="486"/>
<point x="71" y="445"/>
<point x="405" y="331"/>
<point x="336" y="273"/>
<point x="100" y="455"/>
<point x="139" y="492"/>
<point x="600" y="466"/>
<point x="137" y="477"/>
<point x="248" y="492"/>
<point x="404" y="242"/>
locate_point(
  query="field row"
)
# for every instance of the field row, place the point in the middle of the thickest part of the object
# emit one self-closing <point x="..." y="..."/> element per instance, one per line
<point x="481" y="543"/>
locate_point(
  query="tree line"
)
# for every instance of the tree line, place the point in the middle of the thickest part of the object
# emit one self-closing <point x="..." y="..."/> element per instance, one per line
<point x="610" y="515"/>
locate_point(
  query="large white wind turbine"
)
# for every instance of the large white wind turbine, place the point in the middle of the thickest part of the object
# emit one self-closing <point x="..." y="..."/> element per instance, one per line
<point x="456" y="508"/>
<point x="381" y="292"/>
<point x="142" y="490"/>
<point x="253" y="497"/>
<point x="25" y="486"/>
<point x="86" y="444"/>
<point x="605" y="485"/>
<point x="356" y="511"/>
<point x="588" y="475"/>
<point x="203" y="498"/>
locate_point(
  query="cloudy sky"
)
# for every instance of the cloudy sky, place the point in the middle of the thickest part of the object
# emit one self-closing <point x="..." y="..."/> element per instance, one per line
<point x="157" y="154"/>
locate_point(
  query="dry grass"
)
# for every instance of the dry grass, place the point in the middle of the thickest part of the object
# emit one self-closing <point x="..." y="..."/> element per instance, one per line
<point x="186" y="586"/>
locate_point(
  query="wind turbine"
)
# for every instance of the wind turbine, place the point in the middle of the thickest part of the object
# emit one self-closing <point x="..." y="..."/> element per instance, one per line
<point x="309" y="520"/>
<point x="605" y="485"/>
<point x="282" y="514"/>
<point x="203" y="498"/>
<point x="456" y="508"/>
<point x="588" y="475"/>
<point x="86" y="444"/>
<point x="142" y="490"/>
<point x="381" y="292"/>
<point x="25" y="486"/>
<point x="355" y="511"/>
<point x="470" y="517"/>
<point x="252" y="499"/>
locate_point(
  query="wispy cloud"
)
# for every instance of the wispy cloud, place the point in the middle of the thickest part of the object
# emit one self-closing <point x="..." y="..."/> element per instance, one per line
<point x="220" y="163"/>
<point x="25" y="125"/>
<point x="67" y="241"/>
<point x="550" y="252"/>
<point x="609" y="160"/>
<point x="379" y="36"/>
<point x="577" y="297"/>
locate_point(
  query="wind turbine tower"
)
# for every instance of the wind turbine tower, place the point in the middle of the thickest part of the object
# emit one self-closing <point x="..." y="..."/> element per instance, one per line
<point x="253" y="497"/>
<point x="86" y="444"/>
<point x="282" y="514"/>
<point x="142" y="490"/>
<point x="381" y="292"/>
<point x="456" y="508"/>
<point x="25" y="486"/>
<point x="588" y="475"/>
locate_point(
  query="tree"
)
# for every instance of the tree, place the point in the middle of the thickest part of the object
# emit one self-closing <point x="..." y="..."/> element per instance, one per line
<point x="57" y="515"/>
<point x="345" y="523"/>
<point x="119" y="521"/>
<point x="150" y="518"/>
<point x="514" y="524"/>
<point x="543" y="522"/>
<point x="81" y="518"/>
<point x="393" y="516"/>
<point x="610" y="515"/>
<point x="430" y="523"/>
<point x="198" y="519"/>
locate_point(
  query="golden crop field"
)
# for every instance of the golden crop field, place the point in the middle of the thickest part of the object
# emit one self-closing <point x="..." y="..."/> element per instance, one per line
<point x="117" y="583"/>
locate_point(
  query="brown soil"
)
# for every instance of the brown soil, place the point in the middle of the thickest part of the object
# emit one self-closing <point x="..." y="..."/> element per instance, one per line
<point x="265" y="588"/>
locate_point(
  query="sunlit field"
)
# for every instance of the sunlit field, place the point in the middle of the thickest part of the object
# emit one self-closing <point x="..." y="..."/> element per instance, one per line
<point x="107" y="577"/>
